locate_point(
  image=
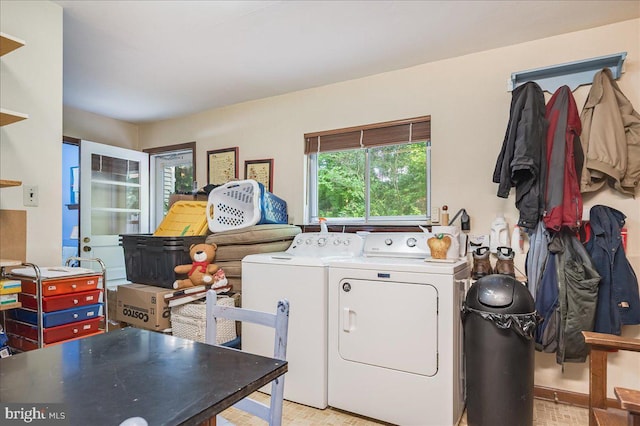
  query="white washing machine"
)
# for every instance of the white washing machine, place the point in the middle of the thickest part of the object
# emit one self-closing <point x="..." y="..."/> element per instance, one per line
<point x="300" y="275"/>
<point x="395" y="333"/>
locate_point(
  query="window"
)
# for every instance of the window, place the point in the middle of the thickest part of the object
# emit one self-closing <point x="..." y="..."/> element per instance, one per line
<point x="373" y="173"/>
<point x="172" y="171"/>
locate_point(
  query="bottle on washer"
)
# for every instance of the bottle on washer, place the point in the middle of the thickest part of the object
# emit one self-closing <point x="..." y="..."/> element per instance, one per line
<point x="444" y="217"/>
<point x="323" y="225"/>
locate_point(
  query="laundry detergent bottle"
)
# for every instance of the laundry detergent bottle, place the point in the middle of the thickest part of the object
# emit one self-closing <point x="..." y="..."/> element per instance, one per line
<point x="499" y="235"/>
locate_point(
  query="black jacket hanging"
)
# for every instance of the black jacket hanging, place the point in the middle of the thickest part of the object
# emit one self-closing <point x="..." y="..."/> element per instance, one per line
<point x="521" y="162"/>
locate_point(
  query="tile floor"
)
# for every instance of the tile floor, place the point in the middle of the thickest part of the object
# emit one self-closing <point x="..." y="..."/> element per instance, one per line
<point x="545" y="414"/>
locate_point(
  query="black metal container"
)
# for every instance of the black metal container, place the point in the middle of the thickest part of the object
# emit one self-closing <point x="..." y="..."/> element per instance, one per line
<point x="499" y="322"/>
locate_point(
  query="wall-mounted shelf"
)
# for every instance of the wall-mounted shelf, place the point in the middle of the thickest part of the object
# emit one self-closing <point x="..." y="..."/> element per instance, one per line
<point x="9" y="43"/>
<point x="572" y="74"/>
<point x="8" y="117"/>
<point x="4" y="183"/>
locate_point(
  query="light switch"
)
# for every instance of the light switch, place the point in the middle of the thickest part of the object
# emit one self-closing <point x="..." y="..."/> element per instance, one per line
<point x="30" y="195"/>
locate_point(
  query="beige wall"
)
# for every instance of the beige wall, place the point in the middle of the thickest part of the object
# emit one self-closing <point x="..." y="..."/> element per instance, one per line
<point x="466" y="97"/>
<point x="97" y="128"/>
<point x="468" y="101"/>
<point x="30" y="150"/>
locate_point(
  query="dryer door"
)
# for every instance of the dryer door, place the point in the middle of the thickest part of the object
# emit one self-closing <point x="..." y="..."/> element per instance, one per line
<point x="390" y="325"/>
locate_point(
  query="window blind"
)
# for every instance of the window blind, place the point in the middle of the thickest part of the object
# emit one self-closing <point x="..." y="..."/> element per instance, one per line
<point x="378" y="134"/>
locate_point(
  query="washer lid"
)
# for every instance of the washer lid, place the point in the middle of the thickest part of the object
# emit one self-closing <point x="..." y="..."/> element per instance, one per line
<point x="283" y="258"/>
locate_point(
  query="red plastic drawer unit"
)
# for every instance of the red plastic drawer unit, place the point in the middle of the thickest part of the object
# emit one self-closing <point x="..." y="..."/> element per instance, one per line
<point x="22" y="344"/>
<point x="62" y="286"/>
<point x="55" y="334"/>
<point x="66" y="301"/>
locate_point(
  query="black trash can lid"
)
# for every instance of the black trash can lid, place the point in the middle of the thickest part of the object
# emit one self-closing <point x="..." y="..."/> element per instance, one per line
<point x="497" y="293"/>
<point x="500" y="293"/>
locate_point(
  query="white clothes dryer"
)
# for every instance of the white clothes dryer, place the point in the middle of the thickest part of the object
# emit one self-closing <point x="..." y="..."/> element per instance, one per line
<point x="300" y="275"/>
<point x="395" y="334"/>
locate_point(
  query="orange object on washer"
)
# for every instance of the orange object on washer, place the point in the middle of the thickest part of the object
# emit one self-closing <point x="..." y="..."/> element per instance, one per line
<point x="62" y="286"/>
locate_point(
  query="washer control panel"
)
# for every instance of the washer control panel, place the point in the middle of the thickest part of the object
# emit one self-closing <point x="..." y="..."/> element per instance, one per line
<point x="326" y="244"/>
<point x="397" y="244"/>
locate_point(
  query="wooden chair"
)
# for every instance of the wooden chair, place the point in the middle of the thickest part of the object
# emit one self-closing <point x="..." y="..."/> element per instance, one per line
<point x="280" y="322"/>
<point x="601" y="345"/>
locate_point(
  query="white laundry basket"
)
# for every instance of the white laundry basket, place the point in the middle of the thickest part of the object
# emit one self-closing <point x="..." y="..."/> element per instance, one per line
<point x="189" y="321"/>
<point x="243" y="203"/>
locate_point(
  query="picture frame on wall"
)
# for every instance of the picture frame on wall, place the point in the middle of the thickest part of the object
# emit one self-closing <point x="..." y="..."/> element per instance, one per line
<point x="260" y="171"/>
<point x="222" y="165"/>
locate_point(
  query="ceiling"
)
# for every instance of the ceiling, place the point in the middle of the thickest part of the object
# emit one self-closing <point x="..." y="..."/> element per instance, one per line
<point x="142" y="61"/>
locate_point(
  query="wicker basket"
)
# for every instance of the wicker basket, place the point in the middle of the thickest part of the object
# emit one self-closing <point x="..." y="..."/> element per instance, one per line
<point x="189" y="321"/>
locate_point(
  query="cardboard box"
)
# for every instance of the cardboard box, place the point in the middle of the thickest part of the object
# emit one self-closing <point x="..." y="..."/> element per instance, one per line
<point x="143" y="306"/>
<point x="8" y="299"/>
<point x="10" y="286"/>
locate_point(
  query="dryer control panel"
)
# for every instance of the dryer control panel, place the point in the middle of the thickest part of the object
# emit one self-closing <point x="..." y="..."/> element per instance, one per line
<point x="397" y="244"/>
<point x="326" y="244"/>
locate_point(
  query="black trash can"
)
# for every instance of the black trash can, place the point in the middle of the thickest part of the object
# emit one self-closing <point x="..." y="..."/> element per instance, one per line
<point x="499" y="321"/>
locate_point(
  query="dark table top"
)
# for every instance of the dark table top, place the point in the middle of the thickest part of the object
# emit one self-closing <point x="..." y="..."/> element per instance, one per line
<point x="108" y="378"/>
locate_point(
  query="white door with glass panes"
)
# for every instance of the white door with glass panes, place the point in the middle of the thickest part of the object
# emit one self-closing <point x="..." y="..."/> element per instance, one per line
<point x="114" y="200"/>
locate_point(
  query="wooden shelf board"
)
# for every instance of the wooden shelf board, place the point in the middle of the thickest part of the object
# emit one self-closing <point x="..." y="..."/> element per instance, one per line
<point x="9" y="117"/>
<point x="5" y="183"/>
<point x="10" y="306"/>
<point x="9" y="43"/>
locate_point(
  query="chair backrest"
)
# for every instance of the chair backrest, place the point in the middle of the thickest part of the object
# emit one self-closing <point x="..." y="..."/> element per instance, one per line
<point x="600" y="345"/>
<point x="280" y="322"/>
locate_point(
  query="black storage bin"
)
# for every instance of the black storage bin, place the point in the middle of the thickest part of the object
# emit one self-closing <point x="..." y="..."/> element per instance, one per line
<point x="499" y="322"/>
<point x="150" y="259"/>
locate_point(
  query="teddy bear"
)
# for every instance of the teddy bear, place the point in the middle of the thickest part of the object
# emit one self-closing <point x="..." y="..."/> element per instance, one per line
<point x="201" y="271"/>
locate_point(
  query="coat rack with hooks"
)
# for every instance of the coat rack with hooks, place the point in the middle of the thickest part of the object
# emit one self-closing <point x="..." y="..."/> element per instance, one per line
<point x="572" y="74"/>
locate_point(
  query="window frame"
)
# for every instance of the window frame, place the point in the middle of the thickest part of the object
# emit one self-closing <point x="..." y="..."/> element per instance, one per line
<point x="159" y="151"/>
<point x="370" y="136"/>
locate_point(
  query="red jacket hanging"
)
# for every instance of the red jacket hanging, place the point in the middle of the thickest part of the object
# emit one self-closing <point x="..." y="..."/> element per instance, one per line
<point x="563" y="201"/>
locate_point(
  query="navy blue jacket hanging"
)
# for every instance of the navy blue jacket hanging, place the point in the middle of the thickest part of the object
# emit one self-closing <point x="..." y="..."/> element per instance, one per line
<point x="618" y="301"/>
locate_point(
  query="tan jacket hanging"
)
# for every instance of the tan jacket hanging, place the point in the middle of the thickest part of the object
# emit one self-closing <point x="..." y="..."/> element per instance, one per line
<point x="610" y="138"/>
